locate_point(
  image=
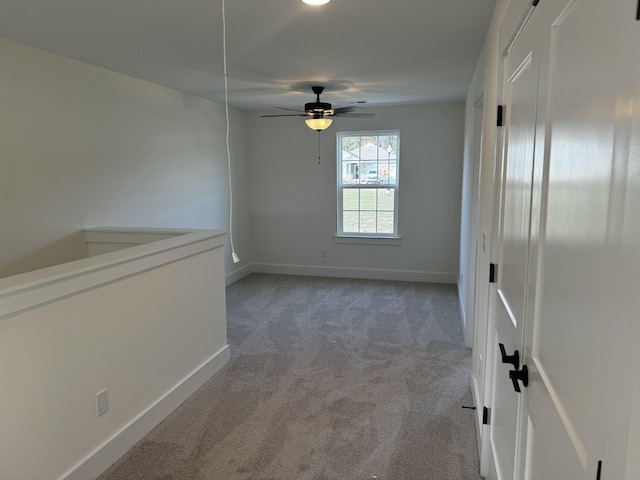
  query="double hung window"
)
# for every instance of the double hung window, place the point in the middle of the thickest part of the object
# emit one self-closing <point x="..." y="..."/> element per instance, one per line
<point x="368" y="183"/>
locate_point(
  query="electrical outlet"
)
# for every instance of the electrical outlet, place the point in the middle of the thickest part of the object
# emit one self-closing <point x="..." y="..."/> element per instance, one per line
<point x="102" y="402"/>
<point x="323" y="252"/>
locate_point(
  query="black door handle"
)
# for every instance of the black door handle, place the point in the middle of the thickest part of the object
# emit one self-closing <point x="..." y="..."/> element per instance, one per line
<point x="512" y="359"/>
<point x="519" y="375"/>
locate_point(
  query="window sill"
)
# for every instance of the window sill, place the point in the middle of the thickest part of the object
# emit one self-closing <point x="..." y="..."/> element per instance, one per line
<point x="365" y="240"/>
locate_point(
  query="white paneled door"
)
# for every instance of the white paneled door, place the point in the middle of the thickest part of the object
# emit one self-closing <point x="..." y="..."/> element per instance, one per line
<point x="520" y="87"/>
<point x="568" y="266"/>
<point x="579" y="325"/>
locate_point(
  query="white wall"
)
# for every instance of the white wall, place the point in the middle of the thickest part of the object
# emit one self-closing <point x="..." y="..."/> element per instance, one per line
<point x="147" y="322"/>
<point x="293" y="198"/>
<point x="83" y="146"/>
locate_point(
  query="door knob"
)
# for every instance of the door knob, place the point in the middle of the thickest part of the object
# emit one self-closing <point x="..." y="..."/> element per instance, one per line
<point x="519" y="375"/>
<point x="512" y="359"/>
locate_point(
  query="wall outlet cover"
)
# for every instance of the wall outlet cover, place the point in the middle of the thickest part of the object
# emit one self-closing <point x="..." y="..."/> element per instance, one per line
<point x="102" y="402"/>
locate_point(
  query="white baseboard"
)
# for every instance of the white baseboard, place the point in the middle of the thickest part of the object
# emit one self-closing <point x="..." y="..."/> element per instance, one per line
<point x="110" y="451"/>
<point x="361" y="273"/>
<point x="239" y="274"/>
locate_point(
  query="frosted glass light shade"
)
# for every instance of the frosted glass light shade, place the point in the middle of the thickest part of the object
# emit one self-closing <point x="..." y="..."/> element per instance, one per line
<point x="315" y="2"/>
<point x="318" y="124"/>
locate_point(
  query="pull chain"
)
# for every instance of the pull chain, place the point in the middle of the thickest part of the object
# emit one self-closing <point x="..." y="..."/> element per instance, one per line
<point x="318" y="148"/>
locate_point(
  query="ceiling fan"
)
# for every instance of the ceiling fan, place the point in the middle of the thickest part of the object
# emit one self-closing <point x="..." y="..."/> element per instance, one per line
<point x="320" y="111"/>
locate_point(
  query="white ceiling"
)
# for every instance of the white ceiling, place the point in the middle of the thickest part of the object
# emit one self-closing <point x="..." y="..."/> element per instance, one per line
<point x="384" y="52"/>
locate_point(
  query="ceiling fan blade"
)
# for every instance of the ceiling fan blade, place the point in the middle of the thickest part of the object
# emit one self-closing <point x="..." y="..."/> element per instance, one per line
<point x="320" y="109"/>
<point x="338" y="111"/>
<point x="355" y="115"/>
<point x="290" y="109"/>
<point x="286" y="115"/>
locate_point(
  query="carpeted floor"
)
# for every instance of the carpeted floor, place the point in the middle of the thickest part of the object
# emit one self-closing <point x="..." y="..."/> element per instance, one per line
<point x="330" y="379"/>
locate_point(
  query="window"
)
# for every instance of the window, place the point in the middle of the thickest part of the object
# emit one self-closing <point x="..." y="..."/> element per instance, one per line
<point x="368" y="184"/>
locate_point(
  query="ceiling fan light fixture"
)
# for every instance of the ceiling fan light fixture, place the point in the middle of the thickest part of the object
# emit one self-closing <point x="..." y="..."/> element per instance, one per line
<point x="318" y="124"/>
<point x="316" y="2"/>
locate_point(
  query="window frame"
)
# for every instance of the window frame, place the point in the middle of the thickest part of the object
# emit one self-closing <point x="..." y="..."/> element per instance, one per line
<point x="387" y="238"/>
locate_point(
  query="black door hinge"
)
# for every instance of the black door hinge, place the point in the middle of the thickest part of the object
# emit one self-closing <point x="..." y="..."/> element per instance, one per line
<point x="485" y="414"/>
<point x="599" y="474"/>
<point x="492" y="273"/>
<point x="638" y="11"/>
<point x="500" y="121"/>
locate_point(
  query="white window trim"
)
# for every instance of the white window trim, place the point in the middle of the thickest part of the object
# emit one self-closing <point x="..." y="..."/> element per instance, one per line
<point x="362" y="237"/>
<point x="367" y="240"/>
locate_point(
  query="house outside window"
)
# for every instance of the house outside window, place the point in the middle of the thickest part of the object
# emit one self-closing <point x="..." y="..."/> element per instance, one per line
<point x="368" y="184"/>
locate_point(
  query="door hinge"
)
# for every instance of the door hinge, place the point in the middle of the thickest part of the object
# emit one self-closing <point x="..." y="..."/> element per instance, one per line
<point x="492" y="273"/>
<point x="485" y="414"/>
<point x="638" y="11"/>
<point x="599" y="473"/>
<point x="500" y="122"/>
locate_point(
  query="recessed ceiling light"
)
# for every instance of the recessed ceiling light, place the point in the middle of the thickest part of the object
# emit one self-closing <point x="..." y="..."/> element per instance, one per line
<point x="315" y="2"/>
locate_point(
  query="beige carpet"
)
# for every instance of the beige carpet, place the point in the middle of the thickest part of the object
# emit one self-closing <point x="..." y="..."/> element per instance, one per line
<point x="330" y="379"/>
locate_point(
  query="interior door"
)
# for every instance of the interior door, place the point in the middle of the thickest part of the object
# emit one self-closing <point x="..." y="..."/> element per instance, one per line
<point x="477" y="243"/>
<point x="584" y="324"/>
<point x="569" y="256"/>
<point x="520" y="88"/>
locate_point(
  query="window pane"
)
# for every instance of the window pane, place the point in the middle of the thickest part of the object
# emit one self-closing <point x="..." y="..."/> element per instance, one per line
<point x="393" y="172"/>
<point x="371" y="176"/>
<point x="368" y="222"/>
<point x="383" y="173"/>
<point x="350" y="169"/>
<point x="350" y="142"/>
<point x="386" y="199"/>
<point x="350" y="222"/>
<point x="350" y="199"/>
<point x="368" y="199"/>
<point x="385" y="222"/>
